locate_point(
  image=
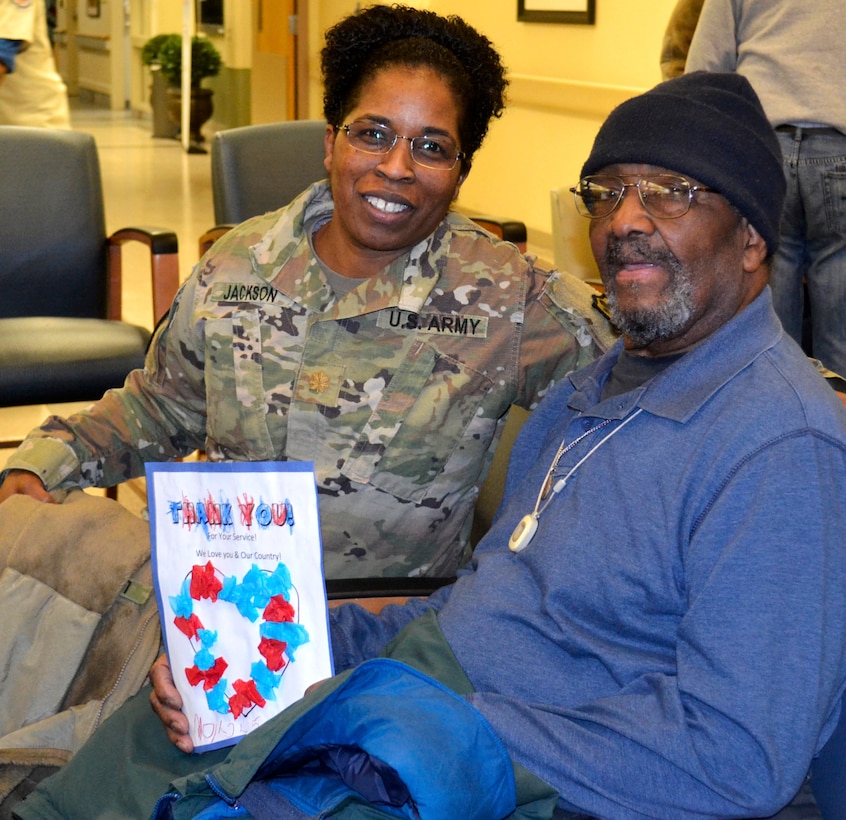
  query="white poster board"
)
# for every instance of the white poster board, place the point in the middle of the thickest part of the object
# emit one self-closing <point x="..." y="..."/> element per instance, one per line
<point x="238" y="572"/>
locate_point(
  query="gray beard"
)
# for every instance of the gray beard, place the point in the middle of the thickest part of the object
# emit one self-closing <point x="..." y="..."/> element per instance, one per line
<point x="644" y="326"/>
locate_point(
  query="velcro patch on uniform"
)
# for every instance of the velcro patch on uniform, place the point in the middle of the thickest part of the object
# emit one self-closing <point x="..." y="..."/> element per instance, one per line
<point x="239" y="292"/>
<point x="443" y="324"/>
<point x="600" y="303"/>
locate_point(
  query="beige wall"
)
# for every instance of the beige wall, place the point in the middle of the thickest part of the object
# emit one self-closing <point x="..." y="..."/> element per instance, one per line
<point x="89" y="49"/>
<point x="321" y="15"/>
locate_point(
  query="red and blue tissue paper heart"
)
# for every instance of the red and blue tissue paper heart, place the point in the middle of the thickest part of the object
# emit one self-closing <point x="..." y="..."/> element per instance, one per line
<point x="268" y="598"/>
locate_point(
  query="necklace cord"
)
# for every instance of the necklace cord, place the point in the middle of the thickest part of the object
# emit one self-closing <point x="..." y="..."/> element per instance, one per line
<point x="524" y="532"/>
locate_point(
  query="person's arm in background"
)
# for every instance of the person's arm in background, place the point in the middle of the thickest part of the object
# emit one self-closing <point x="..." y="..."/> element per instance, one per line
<point x="834" y="379"/>
<point x="714" y="43"/>
<point x="8" y="52"/>
<point x="677" y="37"/>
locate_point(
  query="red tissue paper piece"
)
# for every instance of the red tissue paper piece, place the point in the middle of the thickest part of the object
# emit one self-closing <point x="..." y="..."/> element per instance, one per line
<point x="273" y="652"/>
<point x="208" y="677"/>
<point x="188" y="626"/>
<point x="246" y="694"/>
<point x="204" y="583"/>
<point x="279" y="610"/>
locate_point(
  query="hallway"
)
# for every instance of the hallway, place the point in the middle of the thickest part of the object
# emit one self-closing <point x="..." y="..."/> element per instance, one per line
<point x="147" y="181"/>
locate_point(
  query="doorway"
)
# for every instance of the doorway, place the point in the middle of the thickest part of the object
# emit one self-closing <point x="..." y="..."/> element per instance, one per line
<point x="279" y="34"/>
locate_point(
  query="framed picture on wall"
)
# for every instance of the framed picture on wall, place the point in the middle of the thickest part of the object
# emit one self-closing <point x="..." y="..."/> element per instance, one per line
<point x="556" y="11"/>
<point x="92" y="8"/>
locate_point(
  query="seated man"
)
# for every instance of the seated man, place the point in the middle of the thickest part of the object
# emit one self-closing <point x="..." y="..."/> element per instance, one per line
<point x="655" y="624"/>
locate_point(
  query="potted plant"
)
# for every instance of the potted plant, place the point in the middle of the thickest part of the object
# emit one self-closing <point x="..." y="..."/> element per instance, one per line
<point x="150" y="51"/>
<point x="162" y="124"/>
<point x="165" y="51"/>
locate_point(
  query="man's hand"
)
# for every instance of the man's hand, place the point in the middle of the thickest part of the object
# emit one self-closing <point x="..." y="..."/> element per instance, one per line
<point x="316" y="685"/>
<point x="167" y="704"/>
<point x="22" y="482"/>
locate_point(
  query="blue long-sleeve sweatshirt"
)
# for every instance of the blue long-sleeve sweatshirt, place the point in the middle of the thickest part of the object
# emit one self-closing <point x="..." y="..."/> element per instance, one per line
<point x="672" y="643"/>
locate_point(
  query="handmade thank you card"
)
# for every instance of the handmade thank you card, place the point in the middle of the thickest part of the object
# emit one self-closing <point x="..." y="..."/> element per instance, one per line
<point x="238" y="571"/>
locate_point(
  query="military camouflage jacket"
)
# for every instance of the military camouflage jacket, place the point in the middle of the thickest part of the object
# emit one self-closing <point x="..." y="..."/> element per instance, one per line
<point x="396" y="391"/>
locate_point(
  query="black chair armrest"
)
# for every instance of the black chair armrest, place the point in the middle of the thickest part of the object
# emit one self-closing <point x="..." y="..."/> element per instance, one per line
<point x="382" y="587"/>
<point x="511" y="230"/>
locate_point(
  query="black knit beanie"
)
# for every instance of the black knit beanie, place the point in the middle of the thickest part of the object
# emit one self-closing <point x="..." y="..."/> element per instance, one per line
<point x="708" y="126"/>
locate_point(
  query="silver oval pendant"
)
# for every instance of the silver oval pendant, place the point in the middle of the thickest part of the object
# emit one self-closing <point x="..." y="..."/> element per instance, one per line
<point x="523" y="533"/>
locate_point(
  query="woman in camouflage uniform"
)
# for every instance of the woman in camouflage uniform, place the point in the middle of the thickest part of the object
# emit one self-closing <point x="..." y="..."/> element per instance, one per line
<point x="364" y="327"/>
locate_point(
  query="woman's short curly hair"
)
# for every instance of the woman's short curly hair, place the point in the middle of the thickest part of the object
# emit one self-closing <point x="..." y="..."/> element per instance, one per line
<point x="382" y="36"/>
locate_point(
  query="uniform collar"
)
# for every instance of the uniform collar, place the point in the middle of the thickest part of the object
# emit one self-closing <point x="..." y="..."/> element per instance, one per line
<point x="283" y="258"/>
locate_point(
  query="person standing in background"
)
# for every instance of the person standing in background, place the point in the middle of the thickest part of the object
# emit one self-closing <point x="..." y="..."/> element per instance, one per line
<point x="31" y="90"/>
<point x="791" y="53"/>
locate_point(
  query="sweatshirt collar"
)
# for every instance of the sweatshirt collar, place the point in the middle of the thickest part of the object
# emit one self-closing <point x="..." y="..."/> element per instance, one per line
<point x="678" y="392"/>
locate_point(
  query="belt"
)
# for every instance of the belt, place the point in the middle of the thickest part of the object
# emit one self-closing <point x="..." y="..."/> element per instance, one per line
<point x="809" y="131"/>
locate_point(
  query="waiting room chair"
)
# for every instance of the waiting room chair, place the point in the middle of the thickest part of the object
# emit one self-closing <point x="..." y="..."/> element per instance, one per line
<point x="277" y="161"/>
<point x="61" y="334"/>
<point x="259" y="168"/>
<point x="570" y="243"/>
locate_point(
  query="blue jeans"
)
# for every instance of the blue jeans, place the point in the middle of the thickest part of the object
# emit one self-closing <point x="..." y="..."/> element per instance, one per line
<point x="813" y="243"/>
<point x="827" y="773"/>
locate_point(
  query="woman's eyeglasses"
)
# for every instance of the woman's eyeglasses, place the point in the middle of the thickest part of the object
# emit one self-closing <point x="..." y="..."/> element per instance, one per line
<point x="440" y="152"/>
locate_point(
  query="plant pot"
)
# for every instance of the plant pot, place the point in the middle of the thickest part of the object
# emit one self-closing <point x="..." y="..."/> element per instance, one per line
<point x="201" y="111"/>
<point x="162" y="125"/>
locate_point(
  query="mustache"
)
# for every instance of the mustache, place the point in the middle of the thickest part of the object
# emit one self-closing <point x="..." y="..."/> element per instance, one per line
<point x="636" y="249"/>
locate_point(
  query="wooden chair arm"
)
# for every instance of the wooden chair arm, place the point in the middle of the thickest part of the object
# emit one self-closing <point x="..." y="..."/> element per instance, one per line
<point x="211" y="236"/>
<point x="164" y="267"/>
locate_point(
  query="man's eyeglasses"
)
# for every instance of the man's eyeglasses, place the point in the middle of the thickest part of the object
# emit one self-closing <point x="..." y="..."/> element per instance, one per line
<point x="439" y="153"/>
<point x="666" y="196"/>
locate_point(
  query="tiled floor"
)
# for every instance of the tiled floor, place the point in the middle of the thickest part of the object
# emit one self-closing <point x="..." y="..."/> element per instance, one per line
<point x="146" y="181"/>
